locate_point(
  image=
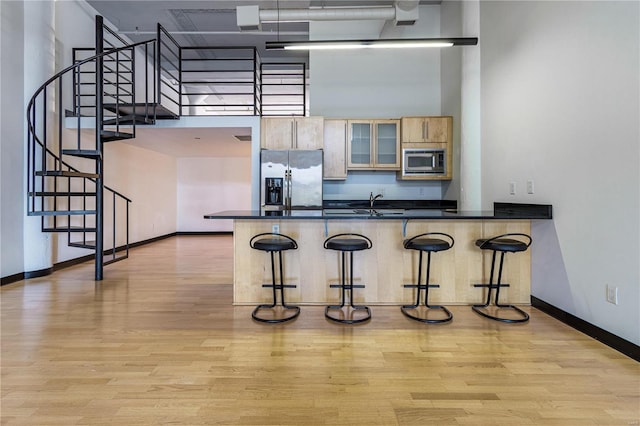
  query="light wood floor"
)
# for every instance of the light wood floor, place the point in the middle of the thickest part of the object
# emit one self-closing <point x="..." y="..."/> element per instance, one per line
<point x="158" y="342"/>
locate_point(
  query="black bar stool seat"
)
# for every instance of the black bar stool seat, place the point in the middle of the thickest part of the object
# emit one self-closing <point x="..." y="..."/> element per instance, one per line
<point x="347" y="244"/>
<point x="503" y="245"/>
<point x="426" y="243"/>
<point x="275" y="243"/>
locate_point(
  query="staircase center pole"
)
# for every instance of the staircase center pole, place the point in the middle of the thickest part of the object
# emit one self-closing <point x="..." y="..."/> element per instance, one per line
<point x="99" y="169"/>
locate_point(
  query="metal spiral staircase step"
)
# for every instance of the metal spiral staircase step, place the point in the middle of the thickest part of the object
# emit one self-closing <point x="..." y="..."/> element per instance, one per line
<point x="109" y="259"/>
<point x="127" y="120"/>
<point x="61" y="212"/>
<point x="75" y="229"/>
<point x="84" y="153"/>
<point x="66" y="173"/>
<point x="89" y="244"/>
<point x="142" y="110"/>
<point x="111" y="136"/>
<point x="61" y="194"/>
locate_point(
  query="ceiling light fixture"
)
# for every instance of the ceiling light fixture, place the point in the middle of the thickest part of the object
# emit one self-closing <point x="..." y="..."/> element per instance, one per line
<point x="404" y="43"/>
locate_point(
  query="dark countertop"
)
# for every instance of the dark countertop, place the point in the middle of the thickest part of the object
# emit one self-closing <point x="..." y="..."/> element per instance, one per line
<point x="382" y="203"/>
<point x="501" y="211"/>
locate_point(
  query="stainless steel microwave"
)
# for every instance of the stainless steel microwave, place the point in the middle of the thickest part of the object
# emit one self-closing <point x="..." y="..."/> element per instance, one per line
<point x="417" y="162"/>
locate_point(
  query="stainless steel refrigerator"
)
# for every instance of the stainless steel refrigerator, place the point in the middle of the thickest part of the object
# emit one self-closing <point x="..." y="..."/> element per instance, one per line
<point x="290" y="179"/>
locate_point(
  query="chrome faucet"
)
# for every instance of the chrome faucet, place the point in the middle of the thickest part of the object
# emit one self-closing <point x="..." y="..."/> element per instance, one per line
<point x="373" y="198"/>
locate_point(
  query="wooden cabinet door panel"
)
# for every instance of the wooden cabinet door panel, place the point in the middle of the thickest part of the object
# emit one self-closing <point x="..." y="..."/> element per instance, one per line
<point x="308" y="133"/>
<point x="425" y="129"/>
<point x="335" y="149"/>
<point x="276" y="133"/>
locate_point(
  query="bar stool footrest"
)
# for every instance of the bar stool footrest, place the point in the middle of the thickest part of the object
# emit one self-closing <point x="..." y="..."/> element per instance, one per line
<point x="347" y="286"/>
<point x="347" y="317"/>
<point x="295" y="312"/>
<point x="524" y="317"/>
<point x="492" y="285"/>
<point x="449" y="316"/>
<point x="421" y="286"/>
<point x="278" y="286"/>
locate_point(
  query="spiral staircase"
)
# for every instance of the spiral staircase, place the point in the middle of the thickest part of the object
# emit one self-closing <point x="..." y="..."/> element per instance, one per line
<point x="115" y="87"/>
<point x="65" y="170"/>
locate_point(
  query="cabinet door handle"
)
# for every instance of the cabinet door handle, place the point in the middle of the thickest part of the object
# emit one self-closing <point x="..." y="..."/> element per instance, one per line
<point x="426" y="130"/>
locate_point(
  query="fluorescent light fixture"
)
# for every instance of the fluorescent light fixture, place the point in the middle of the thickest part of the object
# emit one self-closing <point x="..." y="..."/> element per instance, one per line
<point x="405" y="43"/>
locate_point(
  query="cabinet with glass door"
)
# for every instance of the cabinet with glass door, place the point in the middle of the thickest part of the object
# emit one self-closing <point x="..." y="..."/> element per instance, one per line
<point x="373" y="144"/>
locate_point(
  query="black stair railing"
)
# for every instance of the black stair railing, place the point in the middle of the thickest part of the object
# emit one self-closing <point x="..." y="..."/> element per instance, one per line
<point x="64" y="165"/>
<point x="168" y="71"/>
<point x="212" y="80"/>
<point x="283" y="88"/>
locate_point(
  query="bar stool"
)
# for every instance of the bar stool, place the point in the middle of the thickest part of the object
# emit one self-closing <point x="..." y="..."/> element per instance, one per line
<point x="502" y="245"/>
<point x="275" y="243"/>
<point x="347" y="244"/>
<point x="423" y="243"/>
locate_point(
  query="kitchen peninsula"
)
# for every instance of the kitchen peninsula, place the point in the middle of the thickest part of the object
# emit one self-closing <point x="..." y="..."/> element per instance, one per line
<point x="387" y="266"/>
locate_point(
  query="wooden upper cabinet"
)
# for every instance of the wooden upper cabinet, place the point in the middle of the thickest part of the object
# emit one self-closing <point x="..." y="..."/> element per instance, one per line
<point x="291" y="133"/>
<point x="335" y="149"/>
<point x="425" y="129"/>
<point x="373" y="144"/>
<point x="429" y="133"/>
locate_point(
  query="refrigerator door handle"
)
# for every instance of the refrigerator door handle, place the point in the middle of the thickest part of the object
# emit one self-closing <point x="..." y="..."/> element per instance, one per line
<point x="289" y="189"/>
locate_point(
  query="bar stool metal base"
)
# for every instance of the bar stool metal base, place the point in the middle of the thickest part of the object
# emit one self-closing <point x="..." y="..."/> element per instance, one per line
<point x="275" y="309"/>
<point x="427" y="245"/>
<point x="347" y="313"/>
<point x="503" y="246"/>
<point x="524" y="317"/>
<point x="406" y="311"/>
<point x="280" y="312"/>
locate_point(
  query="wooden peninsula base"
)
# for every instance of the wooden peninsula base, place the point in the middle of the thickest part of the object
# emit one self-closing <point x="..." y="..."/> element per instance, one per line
<point x="385" y="268"/>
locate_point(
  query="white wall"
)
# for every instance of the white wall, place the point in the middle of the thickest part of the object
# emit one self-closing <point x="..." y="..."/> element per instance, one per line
<point x="75" y="27"/>
<point x="149" y="179"/>
<point x="451" y="86"/>
<point x="12" y="204"/>
<point x="560" y="106"/>
<point x="377" y="84"/>
<point x="359" y="184"/>
<point x="374" y="83"/>
<point x="208" y="185"/>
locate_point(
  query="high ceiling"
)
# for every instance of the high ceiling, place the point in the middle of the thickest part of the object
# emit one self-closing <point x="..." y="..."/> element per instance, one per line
<point x="213" y="22"/>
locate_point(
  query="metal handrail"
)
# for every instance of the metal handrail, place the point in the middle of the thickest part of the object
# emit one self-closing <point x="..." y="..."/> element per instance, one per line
<point x="47" y="160"/>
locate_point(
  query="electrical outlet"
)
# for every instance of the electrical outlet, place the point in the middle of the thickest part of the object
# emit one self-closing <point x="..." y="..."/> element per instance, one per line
<point x="530" y="187"/>
<point x="512" y="188"/>
<point x="612" y="294"/>
<point x="275" y="229"/>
